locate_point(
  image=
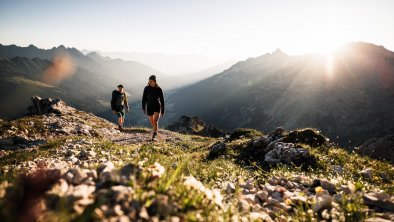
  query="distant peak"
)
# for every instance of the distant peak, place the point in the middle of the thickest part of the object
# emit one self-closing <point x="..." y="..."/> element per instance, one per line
<point x="32" y="46"/>
<point x="365" y="47"/>
<point x="279" y="52"/>
<point x="61" y="47"/>
<point x="94" y="54"/>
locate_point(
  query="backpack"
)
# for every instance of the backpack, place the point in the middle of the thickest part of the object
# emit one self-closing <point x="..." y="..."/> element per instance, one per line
<point x="119" y="98"/>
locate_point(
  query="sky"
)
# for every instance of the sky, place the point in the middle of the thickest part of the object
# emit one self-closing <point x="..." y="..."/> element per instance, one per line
<point x="215" y="28"/>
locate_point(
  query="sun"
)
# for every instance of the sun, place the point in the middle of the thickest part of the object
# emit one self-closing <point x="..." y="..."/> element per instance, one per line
<point x="327" y="47"/>
<point x="329" y="34"/>
<point x="328" y="40"/>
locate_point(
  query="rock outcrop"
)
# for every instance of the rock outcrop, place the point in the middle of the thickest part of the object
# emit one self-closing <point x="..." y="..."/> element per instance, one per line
<point x="45" y="106"/>
<point x="195" y="126"/>
<point x="380" y="148"/>
<point x="276" y="147"/>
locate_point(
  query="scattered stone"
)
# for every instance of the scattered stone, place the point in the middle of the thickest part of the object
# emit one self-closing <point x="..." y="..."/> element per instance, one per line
<point x="130" y="170"/>
<point x="243" y="205"/>
<point x="105" y="167"/>
<point x="121" y="193"/>
<point x="156" y="170"/>
<point x="260" y="216"/>
<point x="118" y="210"/>
<point x="230" y="188"/>
<point x="82" y="191"/>
<point x="250" y="198"/>
<point x="274" y="181"/>
<point x="216" y="150"/>
<point x="330" y="187"/>
<point x="276" y="195"/>
<point x="269" y="188"/>
<point x="366" y="173"/>
<point x="85" y="155"/>
<point x="381" y="200"/>
<point x="322" y="202"/>
<point x="248" y="185"/>
<point x="337" y="169"/>
<point x="376" y="219"/>
<point x="262" y="195"/>
<point x="272" y="202"/>
<point x="144" y="214"/>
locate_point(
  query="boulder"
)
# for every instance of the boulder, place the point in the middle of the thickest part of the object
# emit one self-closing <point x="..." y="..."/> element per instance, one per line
<point x="244" y="133"/>
<point x="322" y="202"/>
<point x="380" y="200"/>
<point x="325" y="184"/>
<point x="217" y="150"/>
<point x="310" y="137"/>
<point x="44" y="106"/>
<point x="195" y="126"/>
<point x="379" y="148"/>
<point x="288" y="153"/>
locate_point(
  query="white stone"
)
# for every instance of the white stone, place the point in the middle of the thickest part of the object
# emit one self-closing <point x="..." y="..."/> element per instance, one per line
<point x="230" y="188"/>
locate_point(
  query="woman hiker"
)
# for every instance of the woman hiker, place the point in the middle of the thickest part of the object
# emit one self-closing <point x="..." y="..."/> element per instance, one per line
<point x="153" y="103"/>
<point x="119" y="105"/>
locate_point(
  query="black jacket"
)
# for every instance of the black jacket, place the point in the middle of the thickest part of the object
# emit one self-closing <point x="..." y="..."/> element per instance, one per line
<point x="153" y="97"/>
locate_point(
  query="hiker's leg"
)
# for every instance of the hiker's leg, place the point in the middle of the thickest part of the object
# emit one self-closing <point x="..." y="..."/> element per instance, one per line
<point x="122" y="117"/>
<point x="156" y="117"/>
<point x="151" y="119"/>
<point x="119" y="118"/>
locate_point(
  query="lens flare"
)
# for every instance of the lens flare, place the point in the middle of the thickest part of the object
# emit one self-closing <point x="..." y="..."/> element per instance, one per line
<point x="330" y="65"/>
<point x="62" y="68"/>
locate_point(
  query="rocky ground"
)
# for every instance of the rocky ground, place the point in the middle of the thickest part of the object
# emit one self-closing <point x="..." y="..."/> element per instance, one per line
<point x="68" y="165"/>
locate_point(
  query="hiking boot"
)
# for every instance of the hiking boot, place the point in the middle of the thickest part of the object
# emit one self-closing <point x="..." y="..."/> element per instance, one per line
<point x="154" y="135"/>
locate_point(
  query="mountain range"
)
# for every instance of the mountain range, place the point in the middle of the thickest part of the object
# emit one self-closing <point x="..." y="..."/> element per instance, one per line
<point x="173" y="64"/>
<point x="88" y="83"/>
<point x="348" y="95"/>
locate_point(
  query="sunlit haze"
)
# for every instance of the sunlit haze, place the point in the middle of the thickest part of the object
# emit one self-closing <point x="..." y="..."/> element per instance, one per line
<point x="226" y="29"/>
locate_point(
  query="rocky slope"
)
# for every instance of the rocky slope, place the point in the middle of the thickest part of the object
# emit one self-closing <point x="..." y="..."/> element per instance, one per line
<point x="348" y="95"/>
<point x="69" y="165"/>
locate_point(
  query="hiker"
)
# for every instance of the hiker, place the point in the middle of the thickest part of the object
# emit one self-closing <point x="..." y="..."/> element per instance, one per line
<point x="119" y="105"/>
<point x="153" y="103"/>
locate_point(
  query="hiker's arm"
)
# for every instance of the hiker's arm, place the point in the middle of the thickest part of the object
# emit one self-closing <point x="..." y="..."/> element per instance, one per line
<point x="161" y="102"/>
<point x="144" y="99"/>
<point x="113" y="102"/>
<point x="126" y="101"/>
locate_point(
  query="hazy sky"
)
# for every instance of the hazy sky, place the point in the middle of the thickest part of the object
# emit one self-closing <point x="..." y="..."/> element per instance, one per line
<point x="225" y="28"/>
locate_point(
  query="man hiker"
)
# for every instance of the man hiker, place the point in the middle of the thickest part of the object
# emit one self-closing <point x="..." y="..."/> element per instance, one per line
<point x="119" y="105"/>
